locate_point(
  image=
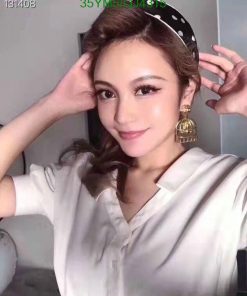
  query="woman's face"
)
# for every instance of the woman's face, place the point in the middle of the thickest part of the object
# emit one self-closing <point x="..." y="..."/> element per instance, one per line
<point x="129" y="99"/>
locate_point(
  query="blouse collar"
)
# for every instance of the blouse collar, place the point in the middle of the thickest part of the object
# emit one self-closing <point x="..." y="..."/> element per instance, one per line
<point x="181" y="169"/>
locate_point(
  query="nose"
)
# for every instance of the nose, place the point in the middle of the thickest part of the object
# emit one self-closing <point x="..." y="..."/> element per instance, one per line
<point x="126" y="112"/>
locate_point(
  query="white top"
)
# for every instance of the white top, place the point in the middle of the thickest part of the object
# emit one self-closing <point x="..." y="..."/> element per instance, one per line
<point x="183" y="241"/>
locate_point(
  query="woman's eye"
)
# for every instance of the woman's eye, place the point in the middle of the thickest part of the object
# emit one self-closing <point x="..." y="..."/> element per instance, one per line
<point x="145" y="89"/>
<point x="106" y="92"/>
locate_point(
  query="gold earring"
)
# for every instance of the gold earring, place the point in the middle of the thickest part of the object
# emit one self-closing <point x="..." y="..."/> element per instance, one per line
<point x="186" y="130"/>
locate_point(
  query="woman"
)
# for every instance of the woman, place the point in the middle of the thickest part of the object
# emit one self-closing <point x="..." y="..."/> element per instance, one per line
<point x="143" y="215"/>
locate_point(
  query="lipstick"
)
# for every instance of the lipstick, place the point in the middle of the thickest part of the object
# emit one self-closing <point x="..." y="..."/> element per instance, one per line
<point x="131" y="135"/>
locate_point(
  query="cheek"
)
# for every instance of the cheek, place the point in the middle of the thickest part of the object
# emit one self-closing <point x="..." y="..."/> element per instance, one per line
<point x="163" y="113"/>
<point x="157" y="112"/>
<point x="105" y="115"/>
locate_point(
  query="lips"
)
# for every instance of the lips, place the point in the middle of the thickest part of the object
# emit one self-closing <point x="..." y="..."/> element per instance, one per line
<point x="131" y="135"/>
<point x="129" y="132"/>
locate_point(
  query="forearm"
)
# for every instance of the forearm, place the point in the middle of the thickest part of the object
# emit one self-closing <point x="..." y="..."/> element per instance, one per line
<point x="24" y="129"/>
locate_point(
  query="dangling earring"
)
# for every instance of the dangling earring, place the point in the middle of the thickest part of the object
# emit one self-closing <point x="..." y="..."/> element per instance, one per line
<point x="186" y="130"/>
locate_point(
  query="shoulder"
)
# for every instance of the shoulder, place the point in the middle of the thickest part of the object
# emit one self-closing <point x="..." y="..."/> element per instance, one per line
<point x="223" y="162"/>
<point x="214" y="157"/>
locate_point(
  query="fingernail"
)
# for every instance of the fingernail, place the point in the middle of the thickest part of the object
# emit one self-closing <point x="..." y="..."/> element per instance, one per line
<point x="208" y="104"/>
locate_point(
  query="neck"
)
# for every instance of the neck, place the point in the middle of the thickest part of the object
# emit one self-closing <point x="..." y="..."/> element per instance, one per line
<point x="157" y="161"/>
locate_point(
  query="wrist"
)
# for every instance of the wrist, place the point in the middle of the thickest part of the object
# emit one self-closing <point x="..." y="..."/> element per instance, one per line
<point x="51" y="106"/>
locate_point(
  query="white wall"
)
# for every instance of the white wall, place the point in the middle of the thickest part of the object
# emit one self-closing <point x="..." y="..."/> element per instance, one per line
<point x="233" y="34"/>
<point x="37" y="47"/>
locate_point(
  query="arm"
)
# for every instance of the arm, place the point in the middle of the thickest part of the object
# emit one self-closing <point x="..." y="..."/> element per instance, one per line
<point x="73" y="94"/>
<point x="14" y="138"/>
<point x="23" y="130"/>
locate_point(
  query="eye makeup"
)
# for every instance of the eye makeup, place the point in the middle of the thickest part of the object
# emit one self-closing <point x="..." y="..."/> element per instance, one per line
<point x="154" y="89"/>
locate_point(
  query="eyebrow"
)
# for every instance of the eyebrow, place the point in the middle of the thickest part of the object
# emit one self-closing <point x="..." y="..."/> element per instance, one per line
<point x="133" y="81"/>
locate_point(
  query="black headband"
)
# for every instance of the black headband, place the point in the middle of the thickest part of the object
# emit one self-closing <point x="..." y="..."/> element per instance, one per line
<point x="173" y="19"/>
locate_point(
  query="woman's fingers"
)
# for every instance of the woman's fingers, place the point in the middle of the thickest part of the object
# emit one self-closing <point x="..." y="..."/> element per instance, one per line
<point x="216" y="60"/>
<point x="214" y="69"/>
<point x="210" y="84"/>
<point x="222" y="62"/>
<point x="231" y="54"/>
<point x="87" y="64"/>
<point x="211" y="103"/>
<point x="80" y="63"/>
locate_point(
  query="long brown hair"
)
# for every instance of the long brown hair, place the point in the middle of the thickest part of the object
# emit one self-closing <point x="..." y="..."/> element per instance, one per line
<point x="116" y="25"/>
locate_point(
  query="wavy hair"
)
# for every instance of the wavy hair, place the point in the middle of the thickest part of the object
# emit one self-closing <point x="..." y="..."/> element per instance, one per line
<point x="116" y="25"/>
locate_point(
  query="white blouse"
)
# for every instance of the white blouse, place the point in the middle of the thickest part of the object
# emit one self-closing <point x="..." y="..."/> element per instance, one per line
<point x="182" y="242"/>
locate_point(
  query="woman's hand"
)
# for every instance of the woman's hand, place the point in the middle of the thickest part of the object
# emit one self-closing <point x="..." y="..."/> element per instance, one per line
<point x="233" y="72"/>
<point x="75" y="92"/>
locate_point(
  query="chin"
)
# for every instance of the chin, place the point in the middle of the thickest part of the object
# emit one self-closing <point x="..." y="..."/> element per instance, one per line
<point x="134" y="151"/>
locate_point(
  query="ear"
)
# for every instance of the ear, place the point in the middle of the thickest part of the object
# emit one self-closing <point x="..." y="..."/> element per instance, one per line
<point x="188" y="93"/>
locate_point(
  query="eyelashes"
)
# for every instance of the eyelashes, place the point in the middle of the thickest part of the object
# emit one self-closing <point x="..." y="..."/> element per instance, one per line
<point x="146" y="87"/>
